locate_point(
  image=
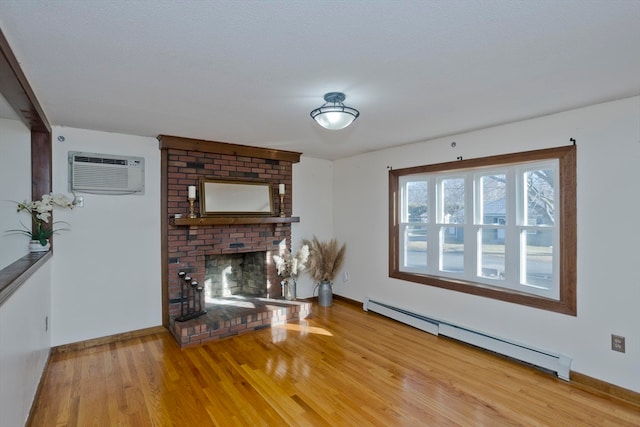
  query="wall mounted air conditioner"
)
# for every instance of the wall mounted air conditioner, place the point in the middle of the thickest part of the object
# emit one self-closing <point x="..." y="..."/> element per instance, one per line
<point x="105" y="173"/>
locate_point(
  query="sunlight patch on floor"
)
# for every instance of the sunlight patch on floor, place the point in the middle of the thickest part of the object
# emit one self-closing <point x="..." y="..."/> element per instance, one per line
<point x="303" y="328"/>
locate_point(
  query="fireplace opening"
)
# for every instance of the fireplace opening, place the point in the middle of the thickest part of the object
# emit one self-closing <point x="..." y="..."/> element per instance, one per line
<point x="236" y="274"/>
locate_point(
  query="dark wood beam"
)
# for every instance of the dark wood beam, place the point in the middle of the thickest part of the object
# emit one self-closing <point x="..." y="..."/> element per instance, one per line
<point x="17" y="91"/>
<point x="41" y="164"/>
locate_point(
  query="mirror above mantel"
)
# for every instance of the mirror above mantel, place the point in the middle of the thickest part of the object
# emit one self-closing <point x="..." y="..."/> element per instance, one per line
<point x="220" y="197"/>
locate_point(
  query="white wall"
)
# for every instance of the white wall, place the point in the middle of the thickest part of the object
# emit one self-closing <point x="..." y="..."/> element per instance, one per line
<point x="313" y="203"/>
<point x="106" y="270"/>
<point x="24" y="345"/>
<point x="608" y="139"/>
<point x="15" y="186"/>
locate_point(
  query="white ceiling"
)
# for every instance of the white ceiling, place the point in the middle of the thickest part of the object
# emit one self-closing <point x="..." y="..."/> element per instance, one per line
<point x="249" y="72"/>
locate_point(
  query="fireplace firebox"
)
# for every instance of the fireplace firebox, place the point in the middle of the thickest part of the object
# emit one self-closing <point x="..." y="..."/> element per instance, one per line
<point x="235" y="274"/>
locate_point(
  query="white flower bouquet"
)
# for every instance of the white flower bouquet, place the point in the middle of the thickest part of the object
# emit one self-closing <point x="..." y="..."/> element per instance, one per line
<point x="40" y="212"/>
<point x="289" y="265"/>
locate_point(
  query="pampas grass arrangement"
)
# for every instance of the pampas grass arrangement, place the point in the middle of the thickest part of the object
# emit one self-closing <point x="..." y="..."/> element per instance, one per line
<point x="325" y="259"/>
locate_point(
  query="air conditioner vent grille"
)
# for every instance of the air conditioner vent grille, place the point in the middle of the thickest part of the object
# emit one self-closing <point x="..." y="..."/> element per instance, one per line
<point x="85" y="159"/>
<point x="105" y="174"/>
<point x="117" y="178"/>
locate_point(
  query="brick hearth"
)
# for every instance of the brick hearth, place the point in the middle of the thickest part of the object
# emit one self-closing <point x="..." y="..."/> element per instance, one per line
<point x="227" y="317"/>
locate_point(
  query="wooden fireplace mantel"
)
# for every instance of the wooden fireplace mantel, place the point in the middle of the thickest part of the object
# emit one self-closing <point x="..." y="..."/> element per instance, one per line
<point x="203" y="146"/>
<point x="192" y="222"/>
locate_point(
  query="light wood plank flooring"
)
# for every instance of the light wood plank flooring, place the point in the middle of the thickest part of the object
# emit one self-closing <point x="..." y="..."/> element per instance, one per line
<point x="341" y="367"/>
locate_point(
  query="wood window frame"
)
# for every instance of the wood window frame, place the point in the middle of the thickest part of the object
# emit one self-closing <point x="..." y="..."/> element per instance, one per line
<point x="567" y="253"/>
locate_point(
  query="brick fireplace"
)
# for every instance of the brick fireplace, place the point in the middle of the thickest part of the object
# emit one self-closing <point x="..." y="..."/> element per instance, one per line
<point x="188" y="244"/>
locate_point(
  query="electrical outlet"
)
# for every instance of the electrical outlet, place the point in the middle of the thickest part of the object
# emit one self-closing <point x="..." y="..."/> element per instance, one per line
<point x="617" y="343"/>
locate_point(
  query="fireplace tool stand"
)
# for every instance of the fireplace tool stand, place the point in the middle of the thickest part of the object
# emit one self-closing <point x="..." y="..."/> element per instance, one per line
<point x="190" y="298"/>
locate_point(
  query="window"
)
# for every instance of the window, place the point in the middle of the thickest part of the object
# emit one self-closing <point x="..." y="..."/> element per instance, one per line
<point x="501" y="227"/>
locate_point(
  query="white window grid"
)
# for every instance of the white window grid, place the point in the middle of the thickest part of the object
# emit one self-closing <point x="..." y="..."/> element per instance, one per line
<point x="514" y="227"/>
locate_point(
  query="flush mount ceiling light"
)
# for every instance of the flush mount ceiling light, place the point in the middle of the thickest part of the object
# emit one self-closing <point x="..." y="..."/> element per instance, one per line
<point x="334" y="114"/>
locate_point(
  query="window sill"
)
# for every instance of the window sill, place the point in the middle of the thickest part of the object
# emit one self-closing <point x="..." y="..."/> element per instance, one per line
<point x="564" y="305"/>
<point x="14" y="275"/>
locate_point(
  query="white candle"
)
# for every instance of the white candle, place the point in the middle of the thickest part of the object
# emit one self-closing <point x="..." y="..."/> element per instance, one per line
<point x="192" y="191"/>
<point x="281" y="189"/>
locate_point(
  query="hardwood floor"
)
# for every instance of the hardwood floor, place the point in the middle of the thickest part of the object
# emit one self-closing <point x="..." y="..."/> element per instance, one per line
<point x="341" y="367"/>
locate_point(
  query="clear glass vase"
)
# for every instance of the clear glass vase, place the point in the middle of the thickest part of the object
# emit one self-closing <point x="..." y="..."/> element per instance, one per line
<point x="289" y="288"/>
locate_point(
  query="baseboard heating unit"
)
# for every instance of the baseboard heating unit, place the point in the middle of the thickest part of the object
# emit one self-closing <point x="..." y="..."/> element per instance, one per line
<point x="557" y="363"/>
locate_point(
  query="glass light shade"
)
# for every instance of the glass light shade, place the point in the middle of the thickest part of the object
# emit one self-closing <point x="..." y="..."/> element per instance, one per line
<point x="334" y="115"/>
